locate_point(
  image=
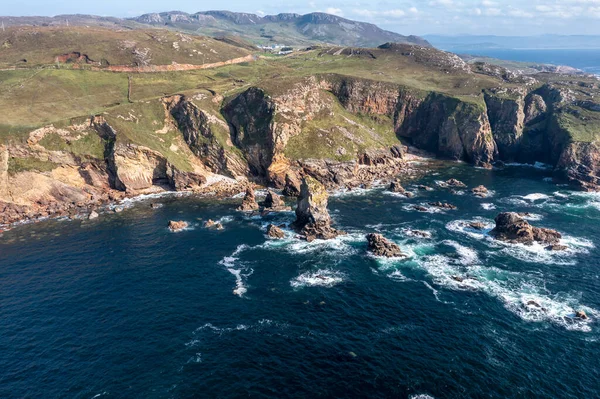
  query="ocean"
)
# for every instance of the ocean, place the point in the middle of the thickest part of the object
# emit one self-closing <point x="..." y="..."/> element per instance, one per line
<point x="122" y="307"/>
<point x="588" y="60"/>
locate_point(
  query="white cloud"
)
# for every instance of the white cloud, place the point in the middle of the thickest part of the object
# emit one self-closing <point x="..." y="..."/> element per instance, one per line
<point x="334" y="11"/>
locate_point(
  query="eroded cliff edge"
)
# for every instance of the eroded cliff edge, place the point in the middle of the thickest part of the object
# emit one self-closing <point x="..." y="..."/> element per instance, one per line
<point x="343" y="131"/>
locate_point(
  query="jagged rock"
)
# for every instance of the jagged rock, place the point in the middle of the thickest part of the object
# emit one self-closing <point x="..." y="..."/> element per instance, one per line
<point x="380" y="246"/>
<point x="581" y="315"/>
<point x="557" y="247"/>
<point x="249" y="203"/>
<point x="93" y="215"/>
<point x="458" y="278"/>
<point x="219" y="226"/>
<point x="455" y="183"/>
<point x="273" y="202"/>
<point x="175" y="226"/>
<point x="275" y="232"/>
<point x="312" y="217"/>
<point x="511" y="227"/>
<point x="396" y="187"/>
<point x="442" y="205"/>
<point x="292" y="186"/>
<point x="420" y="208"/>
<point x="210" y="224"/>
<point x="424" y="187"/>
<point x="480" y="191"/>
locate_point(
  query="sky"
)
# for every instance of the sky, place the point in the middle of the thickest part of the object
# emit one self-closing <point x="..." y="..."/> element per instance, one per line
<point x="451" y="17"/>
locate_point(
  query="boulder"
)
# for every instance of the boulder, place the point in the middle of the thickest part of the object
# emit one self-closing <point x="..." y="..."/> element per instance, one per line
<point x="249" y="203"/>
<point x="580" y="314"/>
<point x="480" y="191"/>
<point x="442" y="205"/>
<point x="93" y="215"/>
<point x="380" y="246"/>
<point x="275" y="232"/>
<point x="512" y="228"/>
<point x="312" y="218"/>
<point x="419" y="233"/>
<point x="209" y="224"/>
<point x="273" y="202"/>
<point x="425" y="188"/>
<point x="455" y="183"/>
<point x="156" y="205"/>
<point x="175" y="226"/>
<point x="420" y="208"/>
<point x="396" y="187"/>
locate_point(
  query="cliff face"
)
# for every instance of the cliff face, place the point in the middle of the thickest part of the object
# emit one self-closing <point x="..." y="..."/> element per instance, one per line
<point x="197" y="126"/>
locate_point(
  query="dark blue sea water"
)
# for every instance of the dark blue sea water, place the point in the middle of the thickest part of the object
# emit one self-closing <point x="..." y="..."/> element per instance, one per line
<point x="588" y="60"/>
<point x="120" y="307"/>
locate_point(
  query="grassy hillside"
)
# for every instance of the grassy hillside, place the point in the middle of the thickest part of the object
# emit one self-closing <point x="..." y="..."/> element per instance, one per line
<point x="34" y="46"/>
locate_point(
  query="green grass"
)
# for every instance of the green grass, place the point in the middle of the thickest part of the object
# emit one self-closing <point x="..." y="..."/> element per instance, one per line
<point x="340" y="136"/>
<point x="16" y="165"/>
<point x="584" y="126"/>
<point x="89" y="144"/>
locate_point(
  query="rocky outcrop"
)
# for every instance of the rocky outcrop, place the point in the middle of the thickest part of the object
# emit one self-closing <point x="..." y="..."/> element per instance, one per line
<point x="580" y="164"/>
<point x="273" y="202"/>
<point x="512" y="228"/>
<point x="177" y="226"/>
<point x="312" y="217"/>
<point x="506" y="113"/>
<point x="380" y="246"/>
<point x="292" y="185"/>
<point x="249" y="203"/>
<point x="275" y="232"/>
<point x="480" y="191"/>
<point x="442" y="205"/>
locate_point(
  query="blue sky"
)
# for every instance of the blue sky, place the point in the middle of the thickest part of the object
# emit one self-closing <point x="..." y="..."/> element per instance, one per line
<point x="508" y="17"/>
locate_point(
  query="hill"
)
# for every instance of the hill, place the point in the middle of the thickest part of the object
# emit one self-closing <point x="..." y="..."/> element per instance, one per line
<point x="282" y="29"/>
<point x="101" y="47"/>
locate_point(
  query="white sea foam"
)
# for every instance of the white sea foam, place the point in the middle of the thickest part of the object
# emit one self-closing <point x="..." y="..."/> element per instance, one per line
<point x="468" y="256"/>
<point x="532" y="217"/>
<point x="421" y="396"/>
<point x="525" y="296"/>
<point x="462" y="226"/>
<point x="488" y="206"/>
<point x="423" y="234"/>
<point x="231" y="263"/>
<point x="319" y="278"/>
<point x="537" y="165"/>
<point x="426" y="208"/>
<point x="535" y="197"/>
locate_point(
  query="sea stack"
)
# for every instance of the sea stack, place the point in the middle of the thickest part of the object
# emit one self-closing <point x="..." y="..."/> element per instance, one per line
<point x="312" y="218"/>
<point x="249" y="203"/>
<point x="380" y="246"/>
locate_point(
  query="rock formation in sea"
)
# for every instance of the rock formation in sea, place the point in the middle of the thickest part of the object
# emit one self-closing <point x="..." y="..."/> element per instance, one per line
<point x="442" y="205"/>
<point x="312" y="217"/>
<point x="274" y="203"/>
<point x="249" y="203"/>
<point x="380" y="246"/>
<point x="275" y="232"/>
<point x="510" y="227"/>
<point x="176" y="226"/>
<point x="480" y="191"/>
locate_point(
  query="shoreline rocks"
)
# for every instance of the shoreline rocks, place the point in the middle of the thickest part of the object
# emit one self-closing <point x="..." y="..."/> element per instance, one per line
<point x="274" y="203"/>
<point x="312" y="217"/>
<point x="443" y="205"/>
<point x="510" y="227"/>
<point x="480" y="191"/>
<point x="380" y="246"/>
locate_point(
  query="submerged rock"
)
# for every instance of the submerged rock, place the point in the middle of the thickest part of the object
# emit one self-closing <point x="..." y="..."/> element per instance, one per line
<point x="424" y="187"/>
<point x="557" y="247"/>
<point x="419" y="233"/>
<point x="455" y="183"/>
<point x="511" y="227"/>
<point x="480" y="191"/>
<point x="476" y="225"/>
<point x="312" y="218"/>
<point x="249" y="203"/>
<point x="156" y="205"/>
<point x="380" y="246"/>
<point x="442" y="205"/>
<point x="275" y="232"/>
<point x="176" y="226"/>
<point x="420" y="208"/>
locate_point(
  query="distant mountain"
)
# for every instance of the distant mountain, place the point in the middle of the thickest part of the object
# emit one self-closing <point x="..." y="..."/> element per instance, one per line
<point x="284" y="29"/>
<point x="472" y="43"/>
